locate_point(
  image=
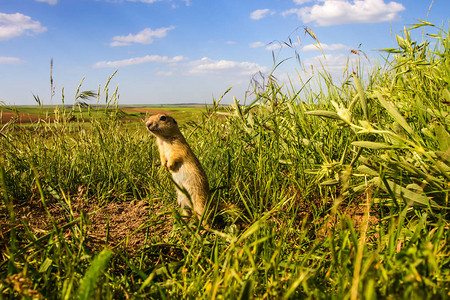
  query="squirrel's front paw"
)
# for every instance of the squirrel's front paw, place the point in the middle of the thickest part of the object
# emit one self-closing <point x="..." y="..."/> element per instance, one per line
<point x="164" y="163"/>
<point x="170" y="166"/>
<point x="173" y="165"/>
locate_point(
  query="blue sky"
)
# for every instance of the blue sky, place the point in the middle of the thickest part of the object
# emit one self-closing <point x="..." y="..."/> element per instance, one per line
<point x="178" y="51"/>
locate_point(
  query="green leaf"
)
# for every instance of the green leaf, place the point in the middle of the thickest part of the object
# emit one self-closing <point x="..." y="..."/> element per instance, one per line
<point x="446" y="95"/>
<point x="324" y="113"/>
<point x="362" y="96"/>
<point x="394" y="113"/>
<point x="363" y="169"/>
<point x="330" y="182"/>
<point x="238" y="109"/>
<point x="90" y="279"/>
<point x="443" y="137"/>
<point x="246" y="292"/>
<point x="410" y="197"/>
<point x="401" y="42"/>
<point x="371" y="145"/>
<point x="391" y="50"/>
<point x="421" y="24"/>
<point x="45" y="265"/>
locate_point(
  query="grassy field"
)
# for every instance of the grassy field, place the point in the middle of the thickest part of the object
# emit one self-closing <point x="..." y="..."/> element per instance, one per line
<point x="70" y="113"/>
<point x="341" y="192"/>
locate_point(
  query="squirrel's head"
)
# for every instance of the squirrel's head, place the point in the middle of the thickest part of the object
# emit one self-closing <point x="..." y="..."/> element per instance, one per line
<point x="162" y="125"/>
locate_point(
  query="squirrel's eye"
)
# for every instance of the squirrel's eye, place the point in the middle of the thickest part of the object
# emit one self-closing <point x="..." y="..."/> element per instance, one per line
<point x="163" y="118"/>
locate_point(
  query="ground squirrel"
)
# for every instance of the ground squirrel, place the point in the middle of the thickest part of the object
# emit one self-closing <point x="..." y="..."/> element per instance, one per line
<point x="178" y="158"/>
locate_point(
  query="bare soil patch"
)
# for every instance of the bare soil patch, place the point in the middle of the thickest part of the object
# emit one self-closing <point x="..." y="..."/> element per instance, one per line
<point x="129" y="224"/>
<point x="126" y="224"/>
<point x="22" y="118"/>
<point x="330" y="221"/>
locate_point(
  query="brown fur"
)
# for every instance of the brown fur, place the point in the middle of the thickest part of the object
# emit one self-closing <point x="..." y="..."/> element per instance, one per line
<point x="178" y="158"/>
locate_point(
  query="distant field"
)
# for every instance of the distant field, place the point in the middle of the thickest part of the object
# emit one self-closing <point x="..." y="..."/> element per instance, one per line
<point x="34" y="113"/>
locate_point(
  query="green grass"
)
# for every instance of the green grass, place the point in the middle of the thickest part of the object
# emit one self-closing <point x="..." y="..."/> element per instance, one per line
<point x="100" y="111"/>
<point x="342" y="192"/>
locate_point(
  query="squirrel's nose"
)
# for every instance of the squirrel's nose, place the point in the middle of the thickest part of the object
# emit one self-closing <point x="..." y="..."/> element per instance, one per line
<point x="149" y="124"/>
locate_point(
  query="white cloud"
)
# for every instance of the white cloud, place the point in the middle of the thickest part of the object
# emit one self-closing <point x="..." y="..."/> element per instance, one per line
<point x="145" y="36"/>
<point x="333" y="12"/>
<point x="51" y="2"/>
<point x="207" y="66"/>
<point x="310" y="47"/>
<point x="274" y="46"/>
<point x="201" y="67"/>
<point x="230" y="42"/>
<point x="292" y="11"/>
<point x="325" y="47"/>
<point x="138" y="60"/>
<point x="14" y="25"/>
<point x="10" y="60"/>
<point x="256" y="44"/>
<point x="260" y="13"/>
<point x="333" y="63"/>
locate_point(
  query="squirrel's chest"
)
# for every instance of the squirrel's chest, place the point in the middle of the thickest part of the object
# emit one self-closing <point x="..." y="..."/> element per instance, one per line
<point x="174" y="157"/>
<point x="165" y="148"/>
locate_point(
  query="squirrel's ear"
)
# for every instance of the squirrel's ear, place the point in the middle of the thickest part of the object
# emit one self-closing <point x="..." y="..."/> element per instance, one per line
<point x="175" y="122"/>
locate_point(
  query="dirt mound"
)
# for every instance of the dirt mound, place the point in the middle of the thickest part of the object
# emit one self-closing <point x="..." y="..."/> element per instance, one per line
<point x="124" y="224"/>
<point x="129" y="224"/>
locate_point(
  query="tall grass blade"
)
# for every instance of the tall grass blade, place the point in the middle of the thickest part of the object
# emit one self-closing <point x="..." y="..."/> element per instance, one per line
<point x="324" y="113"/>
<point x="12" y="220"/>
<point x="362" y="96"/>
<point x="90" y="279"/>
<point x="394" y="113"/>
<point x="410" y="197"/>
<point x="372" y="145"/>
